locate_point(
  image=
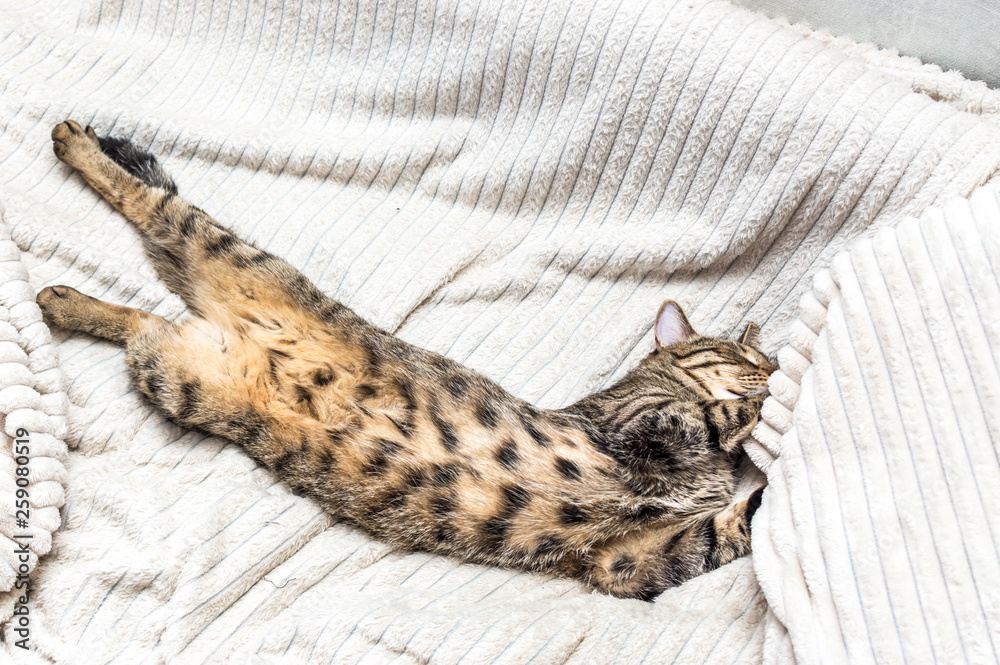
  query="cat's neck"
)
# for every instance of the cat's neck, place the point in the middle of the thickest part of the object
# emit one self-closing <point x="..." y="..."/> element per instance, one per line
<point x="605" y="408"/>
<point x="602" y="408"/>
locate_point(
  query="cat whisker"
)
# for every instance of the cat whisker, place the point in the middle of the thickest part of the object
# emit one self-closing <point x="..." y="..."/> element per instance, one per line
<point x="705" y="382"/>
<point x="694" y="383"/>
<point x="749" y="392"/>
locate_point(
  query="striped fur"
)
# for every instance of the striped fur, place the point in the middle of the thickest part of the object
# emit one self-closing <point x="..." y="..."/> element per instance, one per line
<point x="629" y="490"/>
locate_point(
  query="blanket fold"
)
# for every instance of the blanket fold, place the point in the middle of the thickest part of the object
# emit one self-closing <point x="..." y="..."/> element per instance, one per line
<point x="32" y="431"/>
<point x="877" y="540"/>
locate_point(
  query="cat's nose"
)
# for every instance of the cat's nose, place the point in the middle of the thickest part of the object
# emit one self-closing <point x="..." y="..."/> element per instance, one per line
<point x="768" y="368"/>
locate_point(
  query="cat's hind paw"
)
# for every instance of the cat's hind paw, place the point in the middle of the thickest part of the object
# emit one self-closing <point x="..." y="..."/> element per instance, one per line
<point x="68" y="308"/>
<point x="58" y="304"/>
<point x="73" y="144"/>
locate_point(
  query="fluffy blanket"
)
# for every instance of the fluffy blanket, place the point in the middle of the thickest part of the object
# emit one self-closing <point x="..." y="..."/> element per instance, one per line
<point x="516" y="185"/>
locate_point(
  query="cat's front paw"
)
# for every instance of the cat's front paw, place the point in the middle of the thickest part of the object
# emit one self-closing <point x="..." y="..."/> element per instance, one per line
<point x="747" y="417"/>
<point x="73" y="144"/>
<point x="755" y="402"/>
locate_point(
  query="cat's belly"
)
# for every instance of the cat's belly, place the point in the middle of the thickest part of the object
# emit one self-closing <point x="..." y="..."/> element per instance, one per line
<point x="407" y="455"/>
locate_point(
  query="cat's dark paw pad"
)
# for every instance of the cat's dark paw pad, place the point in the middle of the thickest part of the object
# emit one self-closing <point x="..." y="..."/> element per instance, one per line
<point x="753" y="503"/>
<point x="71" y="143"/>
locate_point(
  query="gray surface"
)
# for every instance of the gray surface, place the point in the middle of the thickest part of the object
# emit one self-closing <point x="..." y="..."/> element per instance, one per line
<point x="955" y="34"/>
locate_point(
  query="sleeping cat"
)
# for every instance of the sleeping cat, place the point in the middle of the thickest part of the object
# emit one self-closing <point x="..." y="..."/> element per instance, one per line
<point x="629" y="490"/>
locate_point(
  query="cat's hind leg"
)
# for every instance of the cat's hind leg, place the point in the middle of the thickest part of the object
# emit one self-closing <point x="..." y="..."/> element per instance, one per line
<point x="183" y="369"/>
<point x="68" y="308"/>
<point x="645" y="563"/>
<point x="198" y="258"/>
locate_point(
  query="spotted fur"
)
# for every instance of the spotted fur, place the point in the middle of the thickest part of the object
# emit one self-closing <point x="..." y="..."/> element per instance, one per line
<point x="629" y="490"/>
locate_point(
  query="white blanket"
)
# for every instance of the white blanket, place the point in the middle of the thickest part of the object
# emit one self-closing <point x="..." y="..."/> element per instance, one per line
<point x="517" y="185"/>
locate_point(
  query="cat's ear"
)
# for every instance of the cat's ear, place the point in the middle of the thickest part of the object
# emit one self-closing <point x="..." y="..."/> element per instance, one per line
<point x="751" y="335"/>
<point x="672" y="326"/>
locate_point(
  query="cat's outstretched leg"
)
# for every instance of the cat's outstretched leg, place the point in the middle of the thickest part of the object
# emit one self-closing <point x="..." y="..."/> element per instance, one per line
<point x="198" y="258"/>
<point x="68" y="308"/>
<point x="643" y="564"/>
<point x="185" y="371"/>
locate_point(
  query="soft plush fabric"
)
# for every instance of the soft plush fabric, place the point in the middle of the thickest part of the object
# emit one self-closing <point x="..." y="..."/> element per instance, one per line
<point x="518" y="186"/>
<point x="878" y="540"/>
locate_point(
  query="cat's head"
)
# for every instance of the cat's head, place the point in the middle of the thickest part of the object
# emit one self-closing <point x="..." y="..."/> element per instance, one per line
<point x="726" y="369"/>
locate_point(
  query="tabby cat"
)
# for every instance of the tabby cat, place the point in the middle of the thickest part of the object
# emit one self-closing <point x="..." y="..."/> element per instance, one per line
<point x="629" y="490"/>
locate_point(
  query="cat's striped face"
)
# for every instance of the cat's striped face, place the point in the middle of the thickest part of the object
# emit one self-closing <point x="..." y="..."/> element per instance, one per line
<point x="721" y="369"/>
<point x="726" y="370"/>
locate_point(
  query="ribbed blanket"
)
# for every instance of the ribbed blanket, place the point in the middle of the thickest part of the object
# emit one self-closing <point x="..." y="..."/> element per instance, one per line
<point x="517" y="185"/>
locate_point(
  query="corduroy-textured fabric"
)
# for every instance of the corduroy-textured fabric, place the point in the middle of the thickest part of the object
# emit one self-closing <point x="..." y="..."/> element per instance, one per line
<point x="516" y="185"/>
